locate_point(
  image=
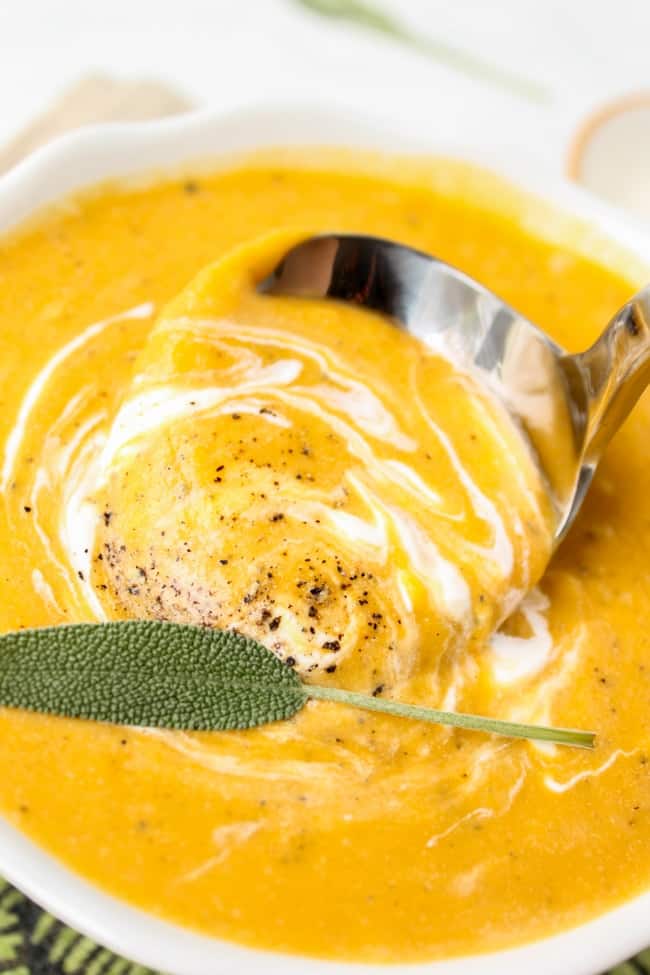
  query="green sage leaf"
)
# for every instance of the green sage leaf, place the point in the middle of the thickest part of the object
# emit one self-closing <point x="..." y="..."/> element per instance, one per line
<point x="168" y="675"/>
<point x="147" y="673"/>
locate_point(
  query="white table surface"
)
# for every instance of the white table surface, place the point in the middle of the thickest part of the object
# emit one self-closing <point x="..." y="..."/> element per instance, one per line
<point x="227" y="52"/>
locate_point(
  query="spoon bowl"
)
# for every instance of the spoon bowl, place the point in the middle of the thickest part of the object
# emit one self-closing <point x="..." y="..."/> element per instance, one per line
<point x="567" y="407"/>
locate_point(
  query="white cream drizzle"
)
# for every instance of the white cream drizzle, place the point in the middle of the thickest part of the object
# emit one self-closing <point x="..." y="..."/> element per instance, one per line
<point x="78" y="523"/>
<point x="497" y="431"/>
<point x="501" y="551"/>
<point x="443" y="579"/>
<point x="335" y="773"/>
<point x="482" y="812"/>
<point x="162" y="405"/>
<point x="226" y="838"/>
<point x="517" y="658"/>
<point x="556" y="786"/>
<point x="464" y="884"/>
<point x="352" y="531"/>
<point x="361" y="405"/>
<point x="33" y="394"/>
<point x="353" y="398"/>
<point x="44" y="590"/>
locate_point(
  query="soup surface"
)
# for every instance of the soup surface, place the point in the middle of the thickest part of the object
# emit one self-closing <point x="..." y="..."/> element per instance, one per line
<point x="176" y="446"/>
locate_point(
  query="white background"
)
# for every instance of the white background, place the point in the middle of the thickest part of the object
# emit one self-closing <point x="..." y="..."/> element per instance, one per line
<point x="229" y="52"/>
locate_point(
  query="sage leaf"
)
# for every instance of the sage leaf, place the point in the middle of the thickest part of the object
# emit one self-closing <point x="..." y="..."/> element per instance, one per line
<point x="148" y="673"/>
<point x="169" y="675"/>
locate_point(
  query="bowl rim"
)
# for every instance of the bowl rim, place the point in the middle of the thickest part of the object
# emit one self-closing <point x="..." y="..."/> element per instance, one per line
<point x="114" y="151"/>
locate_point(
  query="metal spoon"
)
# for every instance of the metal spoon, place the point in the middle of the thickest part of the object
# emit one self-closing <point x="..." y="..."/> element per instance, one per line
<point x="567" y="406"/>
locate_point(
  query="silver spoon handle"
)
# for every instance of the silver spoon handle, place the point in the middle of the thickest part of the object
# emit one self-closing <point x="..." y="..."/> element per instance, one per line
<point x="614" y="373"/>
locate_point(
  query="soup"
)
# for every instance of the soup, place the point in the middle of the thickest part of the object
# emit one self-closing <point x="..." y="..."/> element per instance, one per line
<point x="177" y="446"/>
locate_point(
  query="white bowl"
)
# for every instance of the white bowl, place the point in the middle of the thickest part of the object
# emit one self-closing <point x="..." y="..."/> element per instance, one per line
<point x="112" y="151"/>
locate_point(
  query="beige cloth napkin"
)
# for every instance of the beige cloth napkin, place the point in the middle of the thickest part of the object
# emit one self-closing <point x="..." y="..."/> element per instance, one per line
<point x="95" y="99"/>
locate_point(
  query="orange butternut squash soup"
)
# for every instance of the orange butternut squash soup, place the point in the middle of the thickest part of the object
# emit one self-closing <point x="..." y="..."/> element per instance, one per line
<point x="176" y="446"/>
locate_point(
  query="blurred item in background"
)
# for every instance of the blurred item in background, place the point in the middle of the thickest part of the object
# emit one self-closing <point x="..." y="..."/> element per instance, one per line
<point x="515" y="76"/>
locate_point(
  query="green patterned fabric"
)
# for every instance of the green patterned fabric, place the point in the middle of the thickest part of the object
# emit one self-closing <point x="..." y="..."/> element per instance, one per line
<point x="32" y="942"/>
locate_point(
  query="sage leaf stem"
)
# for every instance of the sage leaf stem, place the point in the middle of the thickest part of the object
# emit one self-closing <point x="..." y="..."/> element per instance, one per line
<point x="471" y="722"/>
